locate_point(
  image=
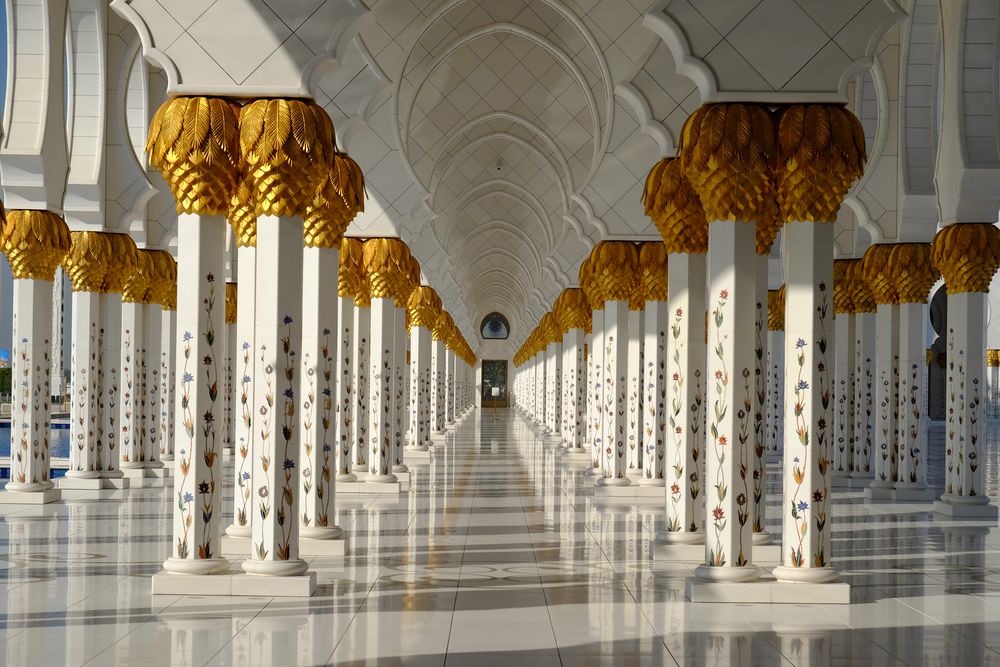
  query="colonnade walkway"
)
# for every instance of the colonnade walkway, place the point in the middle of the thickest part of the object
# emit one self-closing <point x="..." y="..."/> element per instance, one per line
<point x="498" y="554"/>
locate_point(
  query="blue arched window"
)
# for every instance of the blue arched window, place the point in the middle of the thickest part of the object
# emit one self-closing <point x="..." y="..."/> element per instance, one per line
<point x="494" y="326"/>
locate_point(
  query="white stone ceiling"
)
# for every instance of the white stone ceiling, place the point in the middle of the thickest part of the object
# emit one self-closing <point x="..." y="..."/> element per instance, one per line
<point x="515" y="134"/>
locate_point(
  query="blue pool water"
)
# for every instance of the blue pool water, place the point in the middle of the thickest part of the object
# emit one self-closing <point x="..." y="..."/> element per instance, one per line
<point x="59" y="446"/>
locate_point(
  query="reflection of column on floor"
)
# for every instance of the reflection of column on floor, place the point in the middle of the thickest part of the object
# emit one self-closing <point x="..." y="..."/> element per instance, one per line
<point x="29" y="566"/>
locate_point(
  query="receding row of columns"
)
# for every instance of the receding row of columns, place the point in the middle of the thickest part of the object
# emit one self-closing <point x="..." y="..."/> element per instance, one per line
<point x="830" y="369"/>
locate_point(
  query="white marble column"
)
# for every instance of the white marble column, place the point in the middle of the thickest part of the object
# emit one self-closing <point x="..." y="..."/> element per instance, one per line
<point x="911" y="425"/>
<point x="775" y="388"/>
<point x="760" y="405"/>
<point x="843" y="394"/>
<point x="110" y="444"/>
<point x="197" y="503"/>
<point x="864" y="394"/>
<point x="344" y="389"/>
<point x="152" y="328"/>
<point x="886" y="382"/>
<point x="438" y="358"/>
<point x="636" y="395"/>
<point x="809" y="346"/>
<point x="168" y="377"/>
<point x="553" y="395"/>
<point x="380" y="371"/>
<point x="686" y="357"/>
<point x="275" y="449"/>
<point x="85" y="390"/>
<point x="449" y="386"/>
<point x="400" y="403"/>
<point x="30" y="392"/>
<point x="420" y="386"/>
<point x="595" y="391"/>
<point x="654" y="384"/>
<point x="729" y="440"/>
<point x="615" y="380"/>
<point x="361" y="359"/>
<point x="131" y="364"/>
<point x="244" y="360"/>
<point x="317" y="513"/>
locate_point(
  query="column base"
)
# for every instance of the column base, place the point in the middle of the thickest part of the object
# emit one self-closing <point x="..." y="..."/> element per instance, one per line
<point x="401" y="471"/>
<point x="233" y="585"/>
<point x="840" y="480"/>
<point x="727" y="575"/>
<point x="363" y="486"/>
<point x="417" y="454"/>
<point x="139" y="478"/>
<point x="767" y="591"/>
<point x="82" y="474"/>
<point x="233" y="530"/>
<point x="959" y="507"/>
<point x="275" y="568"/>
<point x="657" y="482"/>
<point x="767" y="554"/>
<point x="761" y="539"/>
<point x="42" y="497"/>
<point x="913" y="493"/>
<point x="197" y="568"/>
<point x="860" y="481"/>
<point x="439" y="436"/>
<point x="577" y="454"/>
<point x="343" y="477"/>
<point x="879" y="490"/>
<point x="240" y="547"/>
<point x="609" y="482"/>
<point x="629" y="493"/>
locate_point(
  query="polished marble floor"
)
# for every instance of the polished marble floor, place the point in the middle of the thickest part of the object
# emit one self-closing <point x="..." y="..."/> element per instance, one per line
<point x="498" y="555"/>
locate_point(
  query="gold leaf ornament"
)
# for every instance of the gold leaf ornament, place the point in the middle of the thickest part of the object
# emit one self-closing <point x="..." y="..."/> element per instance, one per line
<point x="728" y="153"/>
<point x="822" y="154"/>
<point x="194" y="143"/>
<point x="352" y="281"/>
<point x="572" y="310"/>
<point x="878" y="273"/>
<point x="675" y="208"/>
<point x="287" y="145"/>
<point x="163" y="289"/>
<point x="385" y="261"/>
<point x="87" y="261"/>
<point x="776" y="309"/>
<point x="424" y="308"/>
<point x="652" y="271"/>
<point x="862" y="297"/>
<point x="614" y="270"/>
<point x="35" y="243"/>
<point x="140" y="279"/>
<point x="243" y="215"/>
<point x="967" y="255"/>
<point x="124" y="256"/>
<point x="843" y="292"/>
<point x="231" y="294"/>
<point x="914" y="273"/>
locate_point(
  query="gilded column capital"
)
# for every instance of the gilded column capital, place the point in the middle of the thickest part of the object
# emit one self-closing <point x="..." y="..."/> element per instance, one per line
<point x="163" y="289"/>
<point x="878" y="273"/>
<point x="573" y="310"/>
<point x="728" y="152"/>
<point x="231" y="303"/>
<point x="675" y="208"/>
<point x="35" y="243"/>
<point x="87" y="261"/>
<point x="243" y="215"/>
<point x="614" y="267"/>
<point x="386" y="261"/>
<point x="821" y="153"/>
<point x="776" y="309"/>
<point x="843" y="290"/>
<point x="913" y="271"/>
<point x="194" y="143"/>
<point x="967" y="255"/>
<point x="351" y="278"/>
<point x="862" y="298"/>
<point x="139" y="279"/>
<point x="287" y="146"/>
<point x="550" y="329"/>
<point x="992" y="358"/>
<point x="765" y="233"/>
<point x="423" y="308"/>
<point x="124" y="255"/>
<point x="442" y="327"/>
<point x="337" y="201"/>
<point x="411" y="271"/>
<point x="652" y="271"/>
